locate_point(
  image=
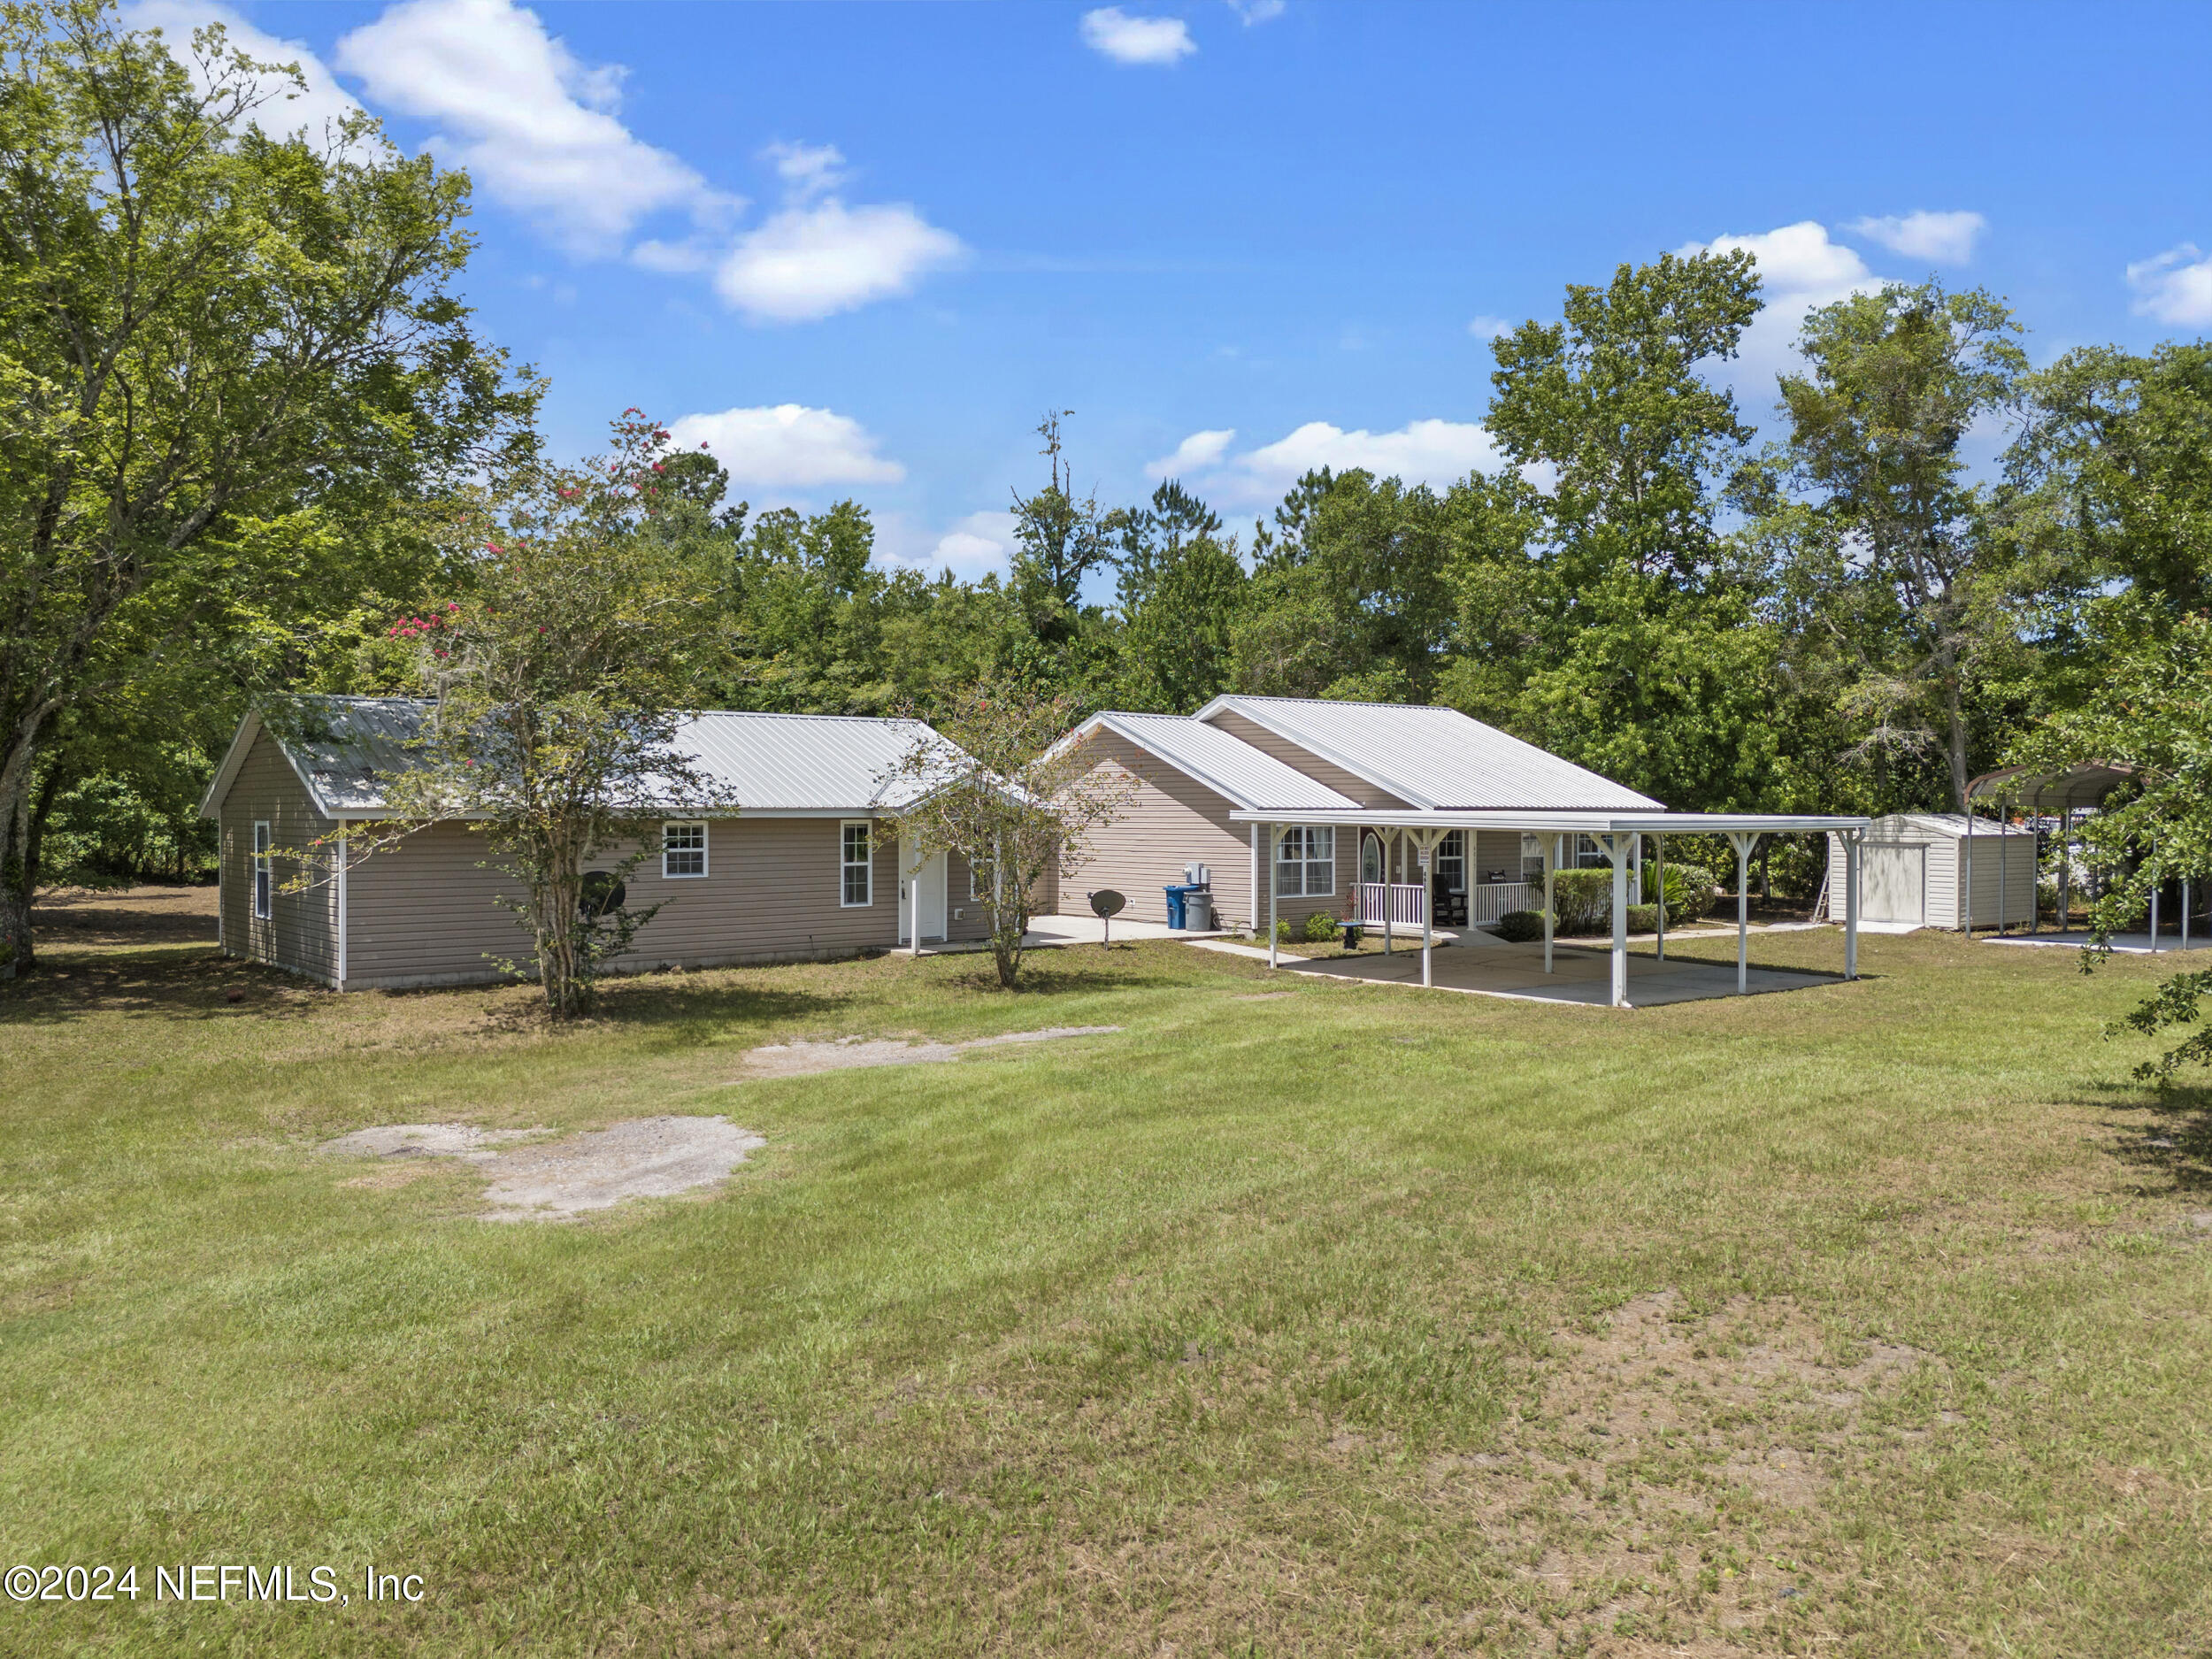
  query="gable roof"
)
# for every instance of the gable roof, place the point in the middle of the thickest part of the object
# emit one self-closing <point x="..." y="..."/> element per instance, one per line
<point x="342" y="748"/>
<point x="1432" y="757"/>
<point x="1226" y="765"/>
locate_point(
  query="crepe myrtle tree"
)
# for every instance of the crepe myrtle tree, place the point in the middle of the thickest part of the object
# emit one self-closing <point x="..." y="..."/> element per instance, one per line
<point x="1015" y="799"/>
<point x="557" y="680"/>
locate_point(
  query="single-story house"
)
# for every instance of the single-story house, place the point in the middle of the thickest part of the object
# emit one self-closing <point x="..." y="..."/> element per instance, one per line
<point x="1289" y="760"/>
<point x="794" y="874"/>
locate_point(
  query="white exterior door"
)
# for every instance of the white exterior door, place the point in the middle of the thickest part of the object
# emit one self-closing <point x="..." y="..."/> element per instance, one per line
<point x="930" y="879"/>
<point x="1894" y="884"/>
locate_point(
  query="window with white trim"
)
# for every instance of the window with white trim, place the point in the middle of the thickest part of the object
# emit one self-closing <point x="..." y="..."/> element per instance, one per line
<point x="683" y="848"/>
<point x="263" y="868"/>
<point x="1305" y="863"/>
<point x="858" y="847"/>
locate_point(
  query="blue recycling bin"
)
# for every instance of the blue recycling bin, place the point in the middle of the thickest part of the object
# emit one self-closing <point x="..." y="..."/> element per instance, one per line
<point x="1175" y="897"/>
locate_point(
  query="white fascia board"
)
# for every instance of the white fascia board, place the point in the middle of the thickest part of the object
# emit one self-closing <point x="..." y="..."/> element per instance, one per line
<point x="1229" y="703"/>
<point x="1586" y="823"/>
<point x="249" y="729"/>
<point x="226" y="773"/>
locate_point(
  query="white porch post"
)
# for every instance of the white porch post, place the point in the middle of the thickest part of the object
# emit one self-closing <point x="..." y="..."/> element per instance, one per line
<point x="1390" y="885"/>
<point x="1851" y="921"/>
<point x="1659" y="845"/>
<point x="2153" y="919"/>
<point x="2004" y="859"/>
<point x="1550" y="845"/>
<point x="1273" y="849"/>
<point x="1743" y="911"/>
<point x="1622" y="857"/>
<point x="1425" y="841"/>
<point x="914" y="913"/>
<point x="2185" y="917"/>
<point x="2065" y="869"/>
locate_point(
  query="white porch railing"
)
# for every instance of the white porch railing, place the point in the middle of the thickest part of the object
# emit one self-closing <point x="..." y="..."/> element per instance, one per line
<point x="1402" y="902"/>
<point x="1487" y="901"/>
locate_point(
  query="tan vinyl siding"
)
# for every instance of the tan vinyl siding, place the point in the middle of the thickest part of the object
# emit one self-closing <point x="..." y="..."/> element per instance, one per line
<point x="1321" y="771"/>
<point x="300" y="933"/>
<point x="1167" y="821"/>
<point x="426" y="913"/>
<point x="1494" y="850"/>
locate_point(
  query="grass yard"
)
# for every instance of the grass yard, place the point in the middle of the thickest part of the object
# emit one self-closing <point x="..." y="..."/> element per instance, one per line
<point x="1298" y="1318"/>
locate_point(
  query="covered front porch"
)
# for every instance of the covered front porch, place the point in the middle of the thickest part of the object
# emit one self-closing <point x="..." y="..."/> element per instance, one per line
<point x="1577" y="973"/>
<point x="1406" y="908"/>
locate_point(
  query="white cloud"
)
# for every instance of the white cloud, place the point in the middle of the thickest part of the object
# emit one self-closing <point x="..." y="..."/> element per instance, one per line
<point x="1251" y="11"/>
<point x="1938" y="238"/>
<point x="788" y="447"/>
<point x="1196" y="453"/>
<point x="535" y="127"/>
<point x="319" y="109"/>
<point x="1488" y="327"/>
<point x="2174" y="287"/>
<point x="808" y="170"/>
<point x="1800" y="268"/>
<point x="973" y="546"/>
<point x="1134" y="40"/>
<point x="1435" y="452"/>
<point x="813" y="260"/>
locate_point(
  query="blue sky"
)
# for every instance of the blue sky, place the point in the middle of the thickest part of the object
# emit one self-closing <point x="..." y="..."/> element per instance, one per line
<point x="860" y="249"/>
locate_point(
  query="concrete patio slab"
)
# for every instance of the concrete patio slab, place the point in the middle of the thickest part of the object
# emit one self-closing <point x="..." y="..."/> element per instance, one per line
<point x="1580" y="976"/>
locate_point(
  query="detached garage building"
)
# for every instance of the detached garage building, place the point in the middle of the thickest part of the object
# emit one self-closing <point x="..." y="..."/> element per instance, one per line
<point x="1912" y="873"/>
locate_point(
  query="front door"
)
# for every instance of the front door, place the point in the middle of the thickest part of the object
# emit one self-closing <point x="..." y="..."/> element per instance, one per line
<point x="1371" y="857"/>
<point x="931" y="879"/>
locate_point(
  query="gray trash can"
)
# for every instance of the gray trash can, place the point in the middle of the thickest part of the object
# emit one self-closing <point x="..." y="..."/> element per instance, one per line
<point x="1198" y="910"/>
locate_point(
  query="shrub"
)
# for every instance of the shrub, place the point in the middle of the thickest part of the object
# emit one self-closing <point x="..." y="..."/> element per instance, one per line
<point x="1583" y="901"/>
<point x="1321" y="928"/>
<point x="1519" y="927"/>
<point x="1284" y="934"/>
<point x="1689" y="891"/>
<point x="1643" y="918"/>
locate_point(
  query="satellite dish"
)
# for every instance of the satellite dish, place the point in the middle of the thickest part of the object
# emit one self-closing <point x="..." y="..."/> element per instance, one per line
<point x="1106" y="902"/>
<point x="600" y="894"/>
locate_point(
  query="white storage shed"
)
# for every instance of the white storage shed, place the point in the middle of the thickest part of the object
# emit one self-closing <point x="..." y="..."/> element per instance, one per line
<point x="1912" y="873"/>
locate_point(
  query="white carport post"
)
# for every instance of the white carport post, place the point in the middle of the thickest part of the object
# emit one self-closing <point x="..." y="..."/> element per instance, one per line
<point x="1550" y="845"/>
<point x="1659" y="844"/>
<point x="1273" y="849"/>
<point x="914" y="914"/>
<point x="1621" y="850"/>
<point x="1425" y="844"/>
<point x="1851" y="891"/>
<point x="1742" y="841"/>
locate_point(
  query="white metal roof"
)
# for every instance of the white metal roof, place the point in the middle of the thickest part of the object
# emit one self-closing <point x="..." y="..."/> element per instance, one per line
<point x="1434" y="757"/>
<point x="805" y="763"/>
<point x="1230" y="767"/>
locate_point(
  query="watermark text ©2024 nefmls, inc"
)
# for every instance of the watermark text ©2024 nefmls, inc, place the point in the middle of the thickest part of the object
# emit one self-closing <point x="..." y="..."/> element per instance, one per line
<point x="312" y="1586"/>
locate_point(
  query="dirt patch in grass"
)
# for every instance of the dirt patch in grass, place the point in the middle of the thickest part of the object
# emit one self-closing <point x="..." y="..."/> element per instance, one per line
<point x="647" y="1157"/>
<point x="803" y="1059"/>
<point x="122" y="917"/>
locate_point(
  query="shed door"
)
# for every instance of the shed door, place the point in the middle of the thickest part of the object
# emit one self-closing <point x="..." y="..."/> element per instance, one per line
<point x="1894" y="884"/>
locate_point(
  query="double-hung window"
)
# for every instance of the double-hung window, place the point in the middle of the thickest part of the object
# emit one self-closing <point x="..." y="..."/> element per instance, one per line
<point x="683" y="850"/>
<point x="1305" y="863"/>
<point x="263" y="862"/>
<point x="856" y="844"/>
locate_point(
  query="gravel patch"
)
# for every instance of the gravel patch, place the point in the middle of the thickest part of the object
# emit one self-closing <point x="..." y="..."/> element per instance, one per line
<point x="803" y="1059"/>
<point x="647" y="1157"/>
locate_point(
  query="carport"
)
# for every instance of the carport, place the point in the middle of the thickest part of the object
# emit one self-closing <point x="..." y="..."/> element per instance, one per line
<point x="1618" y="835"/>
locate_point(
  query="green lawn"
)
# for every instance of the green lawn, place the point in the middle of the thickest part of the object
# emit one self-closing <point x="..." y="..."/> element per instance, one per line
<point x="1866" y="1320"/>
